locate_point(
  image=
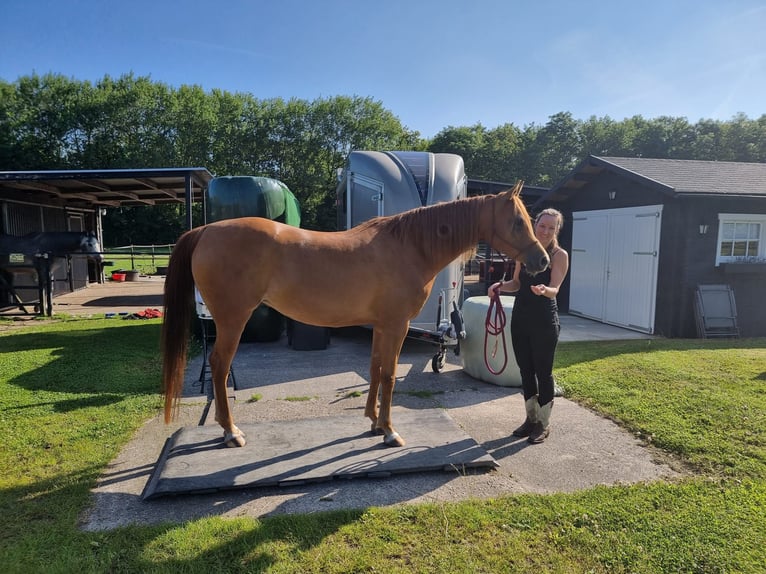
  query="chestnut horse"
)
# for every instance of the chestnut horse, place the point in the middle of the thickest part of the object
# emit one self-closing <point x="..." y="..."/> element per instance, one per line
<point x="379" y="273"/>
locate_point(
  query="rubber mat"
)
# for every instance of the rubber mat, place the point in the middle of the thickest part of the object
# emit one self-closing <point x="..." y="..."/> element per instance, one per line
<point x="286" y="453"/>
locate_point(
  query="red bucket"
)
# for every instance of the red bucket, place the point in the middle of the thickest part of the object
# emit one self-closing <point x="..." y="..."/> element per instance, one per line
<point x="118" y="276"/>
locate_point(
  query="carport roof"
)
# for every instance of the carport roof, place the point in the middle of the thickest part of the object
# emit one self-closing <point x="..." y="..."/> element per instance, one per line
<point x="675" y="177"/>
<point x="105" y="188"/>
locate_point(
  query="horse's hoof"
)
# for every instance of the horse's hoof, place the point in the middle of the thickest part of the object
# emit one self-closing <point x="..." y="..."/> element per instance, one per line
<point x="393" y="439"/>
<point x="233" y="440"/>
<point x="236" y="430"/>
<point x="376" y="430"/>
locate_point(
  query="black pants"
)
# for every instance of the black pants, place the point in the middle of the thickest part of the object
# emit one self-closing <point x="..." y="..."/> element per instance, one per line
<point x="534" y="346"/>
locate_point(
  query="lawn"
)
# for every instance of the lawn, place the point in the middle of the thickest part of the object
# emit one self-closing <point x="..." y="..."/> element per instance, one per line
<point x="73" y="392"/>
<point x="144" y="259"/>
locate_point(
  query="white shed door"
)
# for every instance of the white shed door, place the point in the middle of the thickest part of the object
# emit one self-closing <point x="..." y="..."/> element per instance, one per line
<point x="588" y="265"/>
<point x="615" y="254"/>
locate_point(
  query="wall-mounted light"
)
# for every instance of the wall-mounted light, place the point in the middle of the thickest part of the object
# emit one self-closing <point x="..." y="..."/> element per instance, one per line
<point x="703" y="228"/>
<point x="612" y="194"/>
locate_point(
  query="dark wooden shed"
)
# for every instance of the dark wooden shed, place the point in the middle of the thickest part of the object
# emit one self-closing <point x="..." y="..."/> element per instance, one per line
<point x="644" y="233"/>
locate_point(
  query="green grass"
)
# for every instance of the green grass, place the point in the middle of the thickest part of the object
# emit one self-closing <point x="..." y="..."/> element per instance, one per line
<point x="73" y="392"/>
<point x="703" y="401"/>
<point x="145" y="264"/>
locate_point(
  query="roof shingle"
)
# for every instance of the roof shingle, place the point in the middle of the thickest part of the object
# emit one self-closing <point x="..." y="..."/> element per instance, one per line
<point x="697" y="177"/>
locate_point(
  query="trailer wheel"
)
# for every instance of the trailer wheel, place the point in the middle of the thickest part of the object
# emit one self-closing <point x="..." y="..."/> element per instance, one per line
<point x="438" y="362"/>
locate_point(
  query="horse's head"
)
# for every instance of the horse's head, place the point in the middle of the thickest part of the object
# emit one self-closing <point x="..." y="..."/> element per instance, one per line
<point x="89" y="244"/>
<point x="512" y="231"/>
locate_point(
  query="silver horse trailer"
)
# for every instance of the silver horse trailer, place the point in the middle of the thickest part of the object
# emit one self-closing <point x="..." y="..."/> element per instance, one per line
<point x="386" y="183"/>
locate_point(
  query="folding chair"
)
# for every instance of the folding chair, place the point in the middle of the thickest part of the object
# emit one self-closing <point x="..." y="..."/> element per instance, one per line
<point x="207" y="327"/>
<point x="715" y="312"/>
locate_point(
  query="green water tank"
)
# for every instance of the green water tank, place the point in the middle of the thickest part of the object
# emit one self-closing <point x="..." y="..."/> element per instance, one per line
<point x="230" y="197"/>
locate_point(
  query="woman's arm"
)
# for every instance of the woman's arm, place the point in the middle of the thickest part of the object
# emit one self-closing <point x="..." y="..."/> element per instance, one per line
<point x="559" y="268"/>
<point x="507" y="286"/>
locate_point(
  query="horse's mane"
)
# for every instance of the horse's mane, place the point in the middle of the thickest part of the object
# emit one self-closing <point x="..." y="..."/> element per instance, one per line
<point x="451" y="227"/>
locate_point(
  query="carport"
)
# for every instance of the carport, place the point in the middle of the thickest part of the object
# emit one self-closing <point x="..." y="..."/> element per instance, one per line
<point x="74" y="200"/>
<point x="92" y="189"/>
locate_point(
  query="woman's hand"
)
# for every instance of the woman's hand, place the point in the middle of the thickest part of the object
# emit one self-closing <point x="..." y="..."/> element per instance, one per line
<point x="494" y="289"/>
<point x="538" y="289"/>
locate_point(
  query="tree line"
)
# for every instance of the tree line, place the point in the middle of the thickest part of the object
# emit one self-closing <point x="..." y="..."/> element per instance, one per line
<point x="54" y="122"/>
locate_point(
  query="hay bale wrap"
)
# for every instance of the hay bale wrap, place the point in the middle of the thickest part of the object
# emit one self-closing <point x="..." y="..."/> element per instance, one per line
<point x="231" y="197"/>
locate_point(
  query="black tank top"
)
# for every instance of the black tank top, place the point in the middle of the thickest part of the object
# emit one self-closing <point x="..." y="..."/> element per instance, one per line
<point x="530" y="305"/>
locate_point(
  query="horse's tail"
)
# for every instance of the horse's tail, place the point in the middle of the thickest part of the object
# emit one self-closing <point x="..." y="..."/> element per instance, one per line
<point x="177" y="317"/>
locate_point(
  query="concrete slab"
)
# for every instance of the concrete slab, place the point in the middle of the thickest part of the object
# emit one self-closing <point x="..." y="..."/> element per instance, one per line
<point x="574" y="328"/>
<point x="301" y="451"/>
<point x="277" y="383"/>
<point x="113" y="297"/>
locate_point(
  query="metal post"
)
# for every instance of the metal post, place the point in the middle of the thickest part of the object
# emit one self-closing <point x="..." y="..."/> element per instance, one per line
<point x="189" y="197"/>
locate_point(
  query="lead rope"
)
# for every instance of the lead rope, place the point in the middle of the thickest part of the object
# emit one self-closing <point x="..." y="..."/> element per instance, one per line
<point x="494" y="325"/>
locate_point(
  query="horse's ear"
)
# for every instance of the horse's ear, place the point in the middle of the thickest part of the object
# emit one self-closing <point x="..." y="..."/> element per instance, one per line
<point x="516" y="190"/>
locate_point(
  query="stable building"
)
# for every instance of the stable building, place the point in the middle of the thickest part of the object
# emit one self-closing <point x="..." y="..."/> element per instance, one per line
<point x="72" y="201"/>
<point x="644" y="234"/>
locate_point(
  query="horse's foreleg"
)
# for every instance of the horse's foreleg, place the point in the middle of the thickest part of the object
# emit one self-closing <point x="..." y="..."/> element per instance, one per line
<point x="388" y="347"/>
<point x="220" y="364"/>
<point x="371" y="408"/>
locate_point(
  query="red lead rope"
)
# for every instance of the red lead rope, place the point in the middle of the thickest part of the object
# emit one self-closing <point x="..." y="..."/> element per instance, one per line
<point x="495" y="325"/>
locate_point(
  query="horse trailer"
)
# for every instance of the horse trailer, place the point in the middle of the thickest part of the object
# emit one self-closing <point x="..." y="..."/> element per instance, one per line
<point x="374" y="184"/>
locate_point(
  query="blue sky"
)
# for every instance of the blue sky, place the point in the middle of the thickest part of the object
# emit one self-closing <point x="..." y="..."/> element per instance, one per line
<point x="432" y="63"/>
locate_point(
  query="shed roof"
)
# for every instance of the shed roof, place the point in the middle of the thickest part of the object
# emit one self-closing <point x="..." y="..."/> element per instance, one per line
<point x="105" y="188"/>
<point x="675" y="177"/>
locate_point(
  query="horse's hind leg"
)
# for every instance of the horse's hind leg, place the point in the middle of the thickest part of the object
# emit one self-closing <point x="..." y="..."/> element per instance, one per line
<point x="371" y="408"/>
<point x="226" y="343"/>
<point x="386" y="347"/>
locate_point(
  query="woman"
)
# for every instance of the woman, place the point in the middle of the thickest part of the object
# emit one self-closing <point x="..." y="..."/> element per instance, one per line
<point x="535" y="326"/>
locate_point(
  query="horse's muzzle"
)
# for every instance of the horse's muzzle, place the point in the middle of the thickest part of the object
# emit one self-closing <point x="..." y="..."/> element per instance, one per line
<point x="535" y="267"/>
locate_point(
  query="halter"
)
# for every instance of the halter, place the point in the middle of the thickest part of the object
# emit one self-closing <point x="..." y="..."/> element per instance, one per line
<point x="496" y="319"/>
<point x="519" y="252"/>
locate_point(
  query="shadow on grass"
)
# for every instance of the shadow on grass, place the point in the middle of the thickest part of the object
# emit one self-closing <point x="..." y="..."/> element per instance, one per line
<point x="68" y="405"/>
<point x="113" y="360"/>
<point x="47" y="509"/>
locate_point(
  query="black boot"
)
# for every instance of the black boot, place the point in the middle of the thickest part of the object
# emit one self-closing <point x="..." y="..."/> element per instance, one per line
<point x="528" y="425"/>
<point x="542" y="426"/>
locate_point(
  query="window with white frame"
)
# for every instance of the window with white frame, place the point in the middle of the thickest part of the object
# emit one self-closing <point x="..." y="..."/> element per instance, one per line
<point x="741" y="238"/>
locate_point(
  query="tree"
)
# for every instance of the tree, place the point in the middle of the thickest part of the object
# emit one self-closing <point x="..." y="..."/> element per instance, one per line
<point x="467" y="142"/>
<point x="558" y="147"/>
<point x="744" y="139"/>
<point x="606" y="137"/>
<point x="54" y="122"/>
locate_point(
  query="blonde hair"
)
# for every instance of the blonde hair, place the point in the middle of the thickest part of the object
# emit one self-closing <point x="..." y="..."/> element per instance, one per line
<point x="559" y="224"/>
